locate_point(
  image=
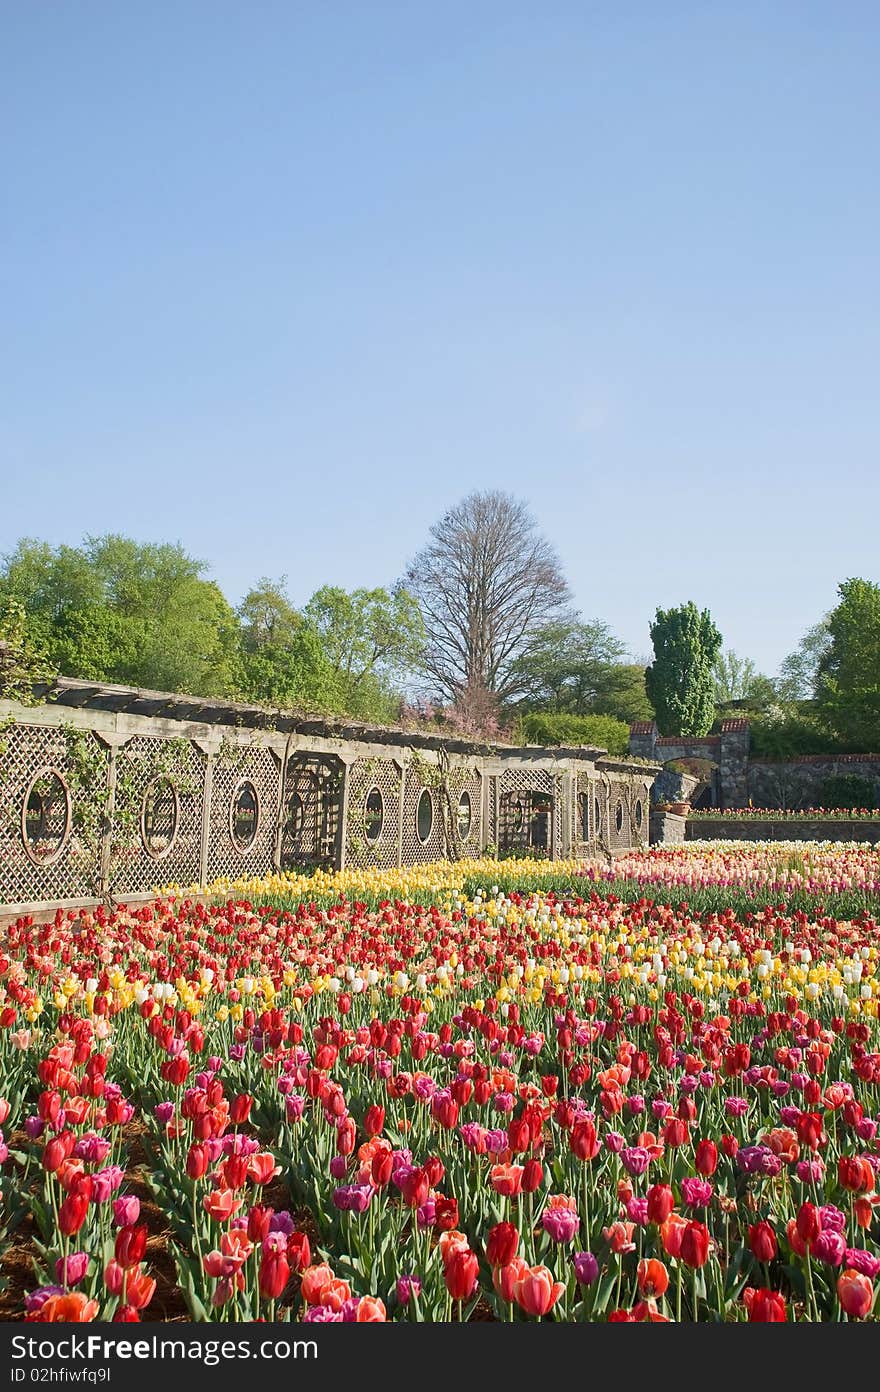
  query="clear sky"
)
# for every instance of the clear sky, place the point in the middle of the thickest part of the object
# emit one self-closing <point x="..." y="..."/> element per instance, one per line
<point x="284" y="281"/>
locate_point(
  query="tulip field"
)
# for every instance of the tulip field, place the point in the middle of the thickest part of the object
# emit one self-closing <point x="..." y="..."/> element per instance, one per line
<point x="483" y="1091"/>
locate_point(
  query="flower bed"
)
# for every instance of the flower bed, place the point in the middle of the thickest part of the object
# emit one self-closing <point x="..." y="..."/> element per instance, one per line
<point x="508" y="1107"/>
<point x="796" y="814"/>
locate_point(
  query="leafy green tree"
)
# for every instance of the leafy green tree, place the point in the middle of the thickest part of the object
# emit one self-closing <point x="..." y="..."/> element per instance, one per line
<point x="121" y="611"/>
<point x="368" y="638"/>
<point x="680" y="681"/>
<point x="281" y="661"/>
<point x="738" y="679"/>
<point x="848" y="690"/>
<point x="620" y="692"/>
<point x="799" y="673"/>
<point x="574" y="667"/>
<point x="564" y="664"/>
<point x="22" y="663"/>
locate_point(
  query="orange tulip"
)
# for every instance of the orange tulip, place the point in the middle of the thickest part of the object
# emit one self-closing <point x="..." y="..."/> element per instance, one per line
<point x="855" y="1293"/>
<point x="314" y="1279"/>
<point x="262" y="1167"/>
<point x="506" y="1179"/>
<point x="72" y="1308"/>
<point x="784" y="1143"/>
<point x="334" y="1294"/>
<point x="371" y="1310"/>
<point x="220" y="1204"/>
<point x="451" y="1242"/>
<point x="536" y="1292"/>
<point x="652" y="1277"/>
<point x="619" y="1237"/>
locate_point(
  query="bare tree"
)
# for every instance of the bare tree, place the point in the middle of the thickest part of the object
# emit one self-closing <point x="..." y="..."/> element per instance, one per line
<point x="487" y="583"/>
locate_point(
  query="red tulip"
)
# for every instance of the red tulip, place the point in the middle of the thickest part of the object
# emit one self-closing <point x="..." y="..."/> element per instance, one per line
<point x="661" y="1202"/>
<point x="374" y="1120"/>
<point x="765" y="1306"/>
<point x="72" y="1214"/>
<point x="460" y="1273"/>
<point x="762" y="1241"/>
<point x="131" y="1244"/>
<point x="695" y="1244"/>
<point x="583" y="1141"/>
<point x="532" y="1176"/>
<point x="502" y="1244"/>
<point x="706" y="1158"/>
<point x="240" y="1108"/>
<point x="274" y="1274"/>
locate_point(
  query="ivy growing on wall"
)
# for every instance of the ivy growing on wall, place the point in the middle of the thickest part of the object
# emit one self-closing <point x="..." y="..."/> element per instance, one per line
<point x="448" y="781"/>
<point x="106" y="825"/>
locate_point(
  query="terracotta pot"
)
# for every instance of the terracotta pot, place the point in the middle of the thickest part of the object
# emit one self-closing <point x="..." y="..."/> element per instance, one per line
<point x="679" y="809"/>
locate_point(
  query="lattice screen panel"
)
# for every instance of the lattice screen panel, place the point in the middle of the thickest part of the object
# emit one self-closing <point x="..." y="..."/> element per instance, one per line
<point x="520" y="824"/>
<point x="620" y="830"/>
<point x="365" y="775"/>
<point x="600" y="815"/>
<point x="414" y="850"/>
<point x="471" y="844"/>
<point x="258" y="766"/>
<point x="582" y="821"/>
<point x="639" y="803"/>
<point x="311" y="814"/>
<point x="143" y="759"/>
<point x="73" y="871"/>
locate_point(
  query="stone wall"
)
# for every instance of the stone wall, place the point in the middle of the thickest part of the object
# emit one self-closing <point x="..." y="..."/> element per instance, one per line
<point x="108" y="792"/>
<point x="796" y="783"/>
<point x="797" y="829"/>
<point x="740" y="780"/>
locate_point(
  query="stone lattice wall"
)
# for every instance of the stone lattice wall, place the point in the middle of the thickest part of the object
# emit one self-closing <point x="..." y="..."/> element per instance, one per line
<point x="107" y="793"/>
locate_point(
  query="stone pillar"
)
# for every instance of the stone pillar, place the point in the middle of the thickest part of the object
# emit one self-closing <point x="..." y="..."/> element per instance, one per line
<point x="643" y="735"/>
<point x="667" y="829"/>
<point x="105" y="870"/>
<point x="733" y="761"/>
<point x="343" y="814"/>
<point x="401" y="803"/>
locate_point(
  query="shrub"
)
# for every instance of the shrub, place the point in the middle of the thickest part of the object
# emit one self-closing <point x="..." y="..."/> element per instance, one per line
<point x="846" y="790"/>
<point x="784" y="734"/>
<point x="600" y="731"/>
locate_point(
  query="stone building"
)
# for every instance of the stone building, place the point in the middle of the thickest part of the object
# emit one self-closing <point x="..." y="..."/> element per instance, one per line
<point x="107" y="792"/>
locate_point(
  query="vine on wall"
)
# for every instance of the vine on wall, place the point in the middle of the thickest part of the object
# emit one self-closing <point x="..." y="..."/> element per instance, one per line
<point x="448" y="781"/>
<point x="106" y="828"/>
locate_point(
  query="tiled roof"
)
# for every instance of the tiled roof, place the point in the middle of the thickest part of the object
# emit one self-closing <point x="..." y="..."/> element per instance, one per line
<point x="729" y="727"/>
<point x="642" y="727"/>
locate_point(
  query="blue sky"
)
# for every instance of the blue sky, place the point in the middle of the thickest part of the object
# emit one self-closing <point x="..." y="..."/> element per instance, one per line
<point x="284" y="281"/>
